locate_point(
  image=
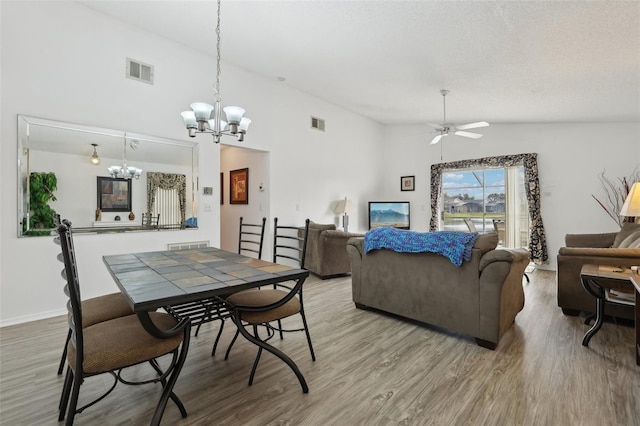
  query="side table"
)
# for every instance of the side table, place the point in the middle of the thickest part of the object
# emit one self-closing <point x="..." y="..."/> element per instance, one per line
<point x="635" y="280"/>
<point x="597" y="280"/>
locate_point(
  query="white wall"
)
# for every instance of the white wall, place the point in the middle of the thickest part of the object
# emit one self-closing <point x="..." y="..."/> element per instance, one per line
<point x="65" y="62"/>
<point x="570" y="156"/>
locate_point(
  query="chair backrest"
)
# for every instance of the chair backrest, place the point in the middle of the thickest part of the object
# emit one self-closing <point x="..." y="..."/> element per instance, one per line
<point x="251" y="237"/>
<point x="288" y="244"/>
<point x="71" y="289"/>
<point x="150" y="220"/>
<point x="470" y="224"/>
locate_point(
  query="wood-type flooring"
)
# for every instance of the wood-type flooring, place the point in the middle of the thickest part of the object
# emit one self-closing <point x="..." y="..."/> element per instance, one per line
<point x="371" y="369"/>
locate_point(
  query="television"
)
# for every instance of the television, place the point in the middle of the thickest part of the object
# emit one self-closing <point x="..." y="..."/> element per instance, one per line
<point x="395" y="214"/>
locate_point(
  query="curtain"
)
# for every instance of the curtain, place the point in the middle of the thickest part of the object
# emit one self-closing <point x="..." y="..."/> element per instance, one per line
<point x="537" y="239"/>
<point x="167" y="181"/>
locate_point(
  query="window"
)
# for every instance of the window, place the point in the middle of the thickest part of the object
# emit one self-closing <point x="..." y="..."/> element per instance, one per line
<point x="493" y="199"/>
<point x="537" y="239"/>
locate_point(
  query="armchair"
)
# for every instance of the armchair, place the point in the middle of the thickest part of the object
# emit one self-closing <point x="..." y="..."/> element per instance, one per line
<point x="615" y="248"/>
<point x="327" y="250"/>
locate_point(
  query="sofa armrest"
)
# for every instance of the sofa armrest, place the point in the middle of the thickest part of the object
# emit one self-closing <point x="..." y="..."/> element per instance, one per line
<point x="357" y="243"/>
<point x="590" y="240"/>
<point x="503" y="255"/>
<point x="600" y="252"/>
<point x="336" y="233"/>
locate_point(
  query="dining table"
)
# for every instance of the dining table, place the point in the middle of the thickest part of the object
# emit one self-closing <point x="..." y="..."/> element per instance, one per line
<point x="190" y="283"/>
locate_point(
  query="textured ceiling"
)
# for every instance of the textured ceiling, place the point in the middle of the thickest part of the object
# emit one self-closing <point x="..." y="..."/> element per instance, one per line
<point x="503" y="61"/>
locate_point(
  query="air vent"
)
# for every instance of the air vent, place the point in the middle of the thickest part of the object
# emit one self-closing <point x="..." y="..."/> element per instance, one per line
<point x="191" y="245"/>
<point x="137" y="70"/>
<point x="317" y="123"/>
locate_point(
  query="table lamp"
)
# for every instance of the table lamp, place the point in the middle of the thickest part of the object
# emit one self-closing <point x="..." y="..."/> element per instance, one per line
<point x="343" y="207"/>
<point x="631" y="206"/>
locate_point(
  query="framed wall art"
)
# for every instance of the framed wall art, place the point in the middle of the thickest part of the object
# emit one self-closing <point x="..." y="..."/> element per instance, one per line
<point x="407" y="183"/>
<point x="239" y="186"/>
<point x="221" y="188"/>
<point x="114" y="194"/>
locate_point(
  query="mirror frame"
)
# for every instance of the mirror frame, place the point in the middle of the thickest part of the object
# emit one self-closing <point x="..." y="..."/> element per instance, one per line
<point x="25" y="127"/>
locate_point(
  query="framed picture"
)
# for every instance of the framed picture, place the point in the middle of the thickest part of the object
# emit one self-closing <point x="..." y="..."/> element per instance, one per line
<point x="407" y="183"/>
<point x="239" y="186"/>
<point x="221" y="188"/>
<point x="114" y="194"/>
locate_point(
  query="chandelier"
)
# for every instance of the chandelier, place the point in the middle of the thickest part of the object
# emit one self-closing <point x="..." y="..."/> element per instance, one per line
<point x="125" y="171"/>
<point x="206" y="118"/>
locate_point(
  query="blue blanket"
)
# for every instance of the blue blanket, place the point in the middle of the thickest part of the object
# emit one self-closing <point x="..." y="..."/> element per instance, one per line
<point x="454" y="245"/>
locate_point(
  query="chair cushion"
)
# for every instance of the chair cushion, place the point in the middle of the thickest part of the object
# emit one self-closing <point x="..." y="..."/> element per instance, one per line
<point x="254" y="298"/>
<point x="104" y="308"/>
<point x="121" y="342"/>
<point x="627" y="229"/>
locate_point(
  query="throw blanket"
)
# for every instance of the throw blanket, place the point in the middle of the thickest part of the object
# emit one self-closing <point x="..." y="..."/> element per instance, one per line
<point x="454" y="245"/>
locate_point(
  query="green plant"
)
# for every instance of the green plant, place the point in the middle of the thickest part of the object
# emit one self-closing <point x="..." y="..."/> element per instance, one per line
<point x="42" y="216"/>
<point x="616" y="192"/>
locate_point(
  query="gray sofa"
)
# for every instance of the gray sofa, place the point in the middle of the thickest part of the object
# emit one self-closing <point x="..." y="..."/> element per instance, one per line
<point x="327" y="250"/>
<point x="615" y="248"/>
<point x="480" y="298"/>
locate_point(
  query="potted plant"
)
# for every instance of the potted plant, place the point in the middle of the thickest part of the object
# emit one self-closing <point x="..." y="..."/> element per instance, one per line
<point x="42" y="216"/>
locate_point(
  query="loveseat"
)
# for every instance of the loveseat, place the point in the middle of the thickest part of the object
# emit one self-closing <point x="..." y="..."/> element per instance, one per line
<point x="327" y="250"/>
<point x="480" y="298"/>
<point x="615" y="248"/>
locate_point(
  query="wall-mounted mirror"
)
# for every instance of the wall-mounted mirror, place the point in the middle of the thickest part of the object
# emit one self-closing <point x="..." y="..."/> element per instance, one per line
<point x="158" y="190"/>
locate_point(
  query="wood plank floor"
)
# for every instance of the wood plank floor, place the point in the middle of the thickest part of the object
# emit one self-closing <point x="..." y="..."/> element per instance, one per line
<point x="371" y="369"/>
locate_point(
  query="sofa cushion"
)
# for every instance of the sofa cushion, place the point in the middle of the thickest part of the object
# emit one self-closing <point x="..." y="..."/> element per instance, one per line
<point x="631" y="241"/>
<point x="486" y="242"/>
<point x="321" y="227"/>
<point x="628" y="228"/>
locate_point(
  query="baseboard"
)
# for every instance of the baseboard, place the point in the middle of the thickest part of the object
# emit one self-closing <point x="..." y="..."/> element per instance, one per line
<point x="33" y="317"/>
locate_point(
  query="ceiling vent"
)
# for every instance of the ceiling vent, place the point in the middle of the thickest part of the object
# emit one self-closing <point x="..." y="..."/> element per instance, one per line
<point x="140" y="71"/>
<point x="317" y="123"/>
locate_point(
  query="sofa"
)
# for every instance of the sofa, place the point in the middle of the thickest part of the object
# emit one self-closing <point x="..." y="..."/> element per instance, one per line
<point x="326" y="250"/>
<point x="480" y="298"/>
<point x="615" y="248"/>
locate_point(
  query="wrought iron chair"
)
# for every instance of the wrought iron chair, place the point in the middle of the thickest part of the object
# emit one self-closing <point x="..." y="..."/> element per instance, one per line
<point x="111" y="346"/>
<point x="265" y="306"/>
<point x="250" y="239"/>
<point x="150" y="221"/>
<point x="96" y="310"/>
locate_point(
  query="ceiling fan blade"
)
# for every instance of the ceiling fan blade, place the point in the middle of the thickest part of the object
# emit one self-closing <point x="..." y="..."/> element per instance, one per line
<point x="473" y="125"/>
<point x="469" y="135"/>
<point x="436" y="140"/>
<point x="436" y="126"/>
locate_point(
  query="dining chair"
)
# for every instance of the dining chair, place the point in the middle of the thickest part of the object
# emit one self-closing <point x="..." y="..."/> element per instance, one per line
<point x="250" y="239"/>
<point x="499" y="225"/>
<point x="263" y="307"/>
<point x="113" y="345"/>
<point x="150" y="221"/>
<point x="96" y="309"/>
<point x="470" y="224"/>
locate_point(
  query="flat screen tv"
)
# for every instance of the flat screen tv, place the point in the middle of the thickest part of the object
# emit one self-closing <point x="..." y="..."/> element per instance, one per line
<point x="395" y="214"/>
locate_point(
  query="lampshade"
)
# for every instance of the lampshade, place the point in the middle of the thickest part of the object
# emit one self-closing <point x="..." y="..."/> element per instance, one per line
<point x="631" y="206"/>
<point x="244" y="124"/>
<point x="234" y="114"/>
<point x="189" y="119"/>
<point x="202" y="111"/>
<point x="343" y="206"/>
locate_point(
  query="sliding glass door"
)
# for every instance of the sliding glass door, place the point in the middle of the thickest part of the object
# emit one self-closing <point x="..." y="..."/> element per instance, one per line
<point x="486" y="199"/>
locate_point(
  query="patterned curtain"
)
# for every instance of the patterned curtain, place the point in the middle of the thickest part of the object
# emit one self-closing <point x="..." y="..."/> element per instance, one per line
<point x="167" y="181"/>
<point x="537" y="239"/>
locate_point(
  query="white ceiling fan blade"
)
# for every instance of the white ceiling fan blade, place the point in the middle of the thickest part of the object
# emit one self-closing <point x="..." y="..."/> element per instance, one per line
<point x="436" y="140"/>
<point x="435" y="126"/>
<point x="469" y="135"/>
<point x="473" y="125"/>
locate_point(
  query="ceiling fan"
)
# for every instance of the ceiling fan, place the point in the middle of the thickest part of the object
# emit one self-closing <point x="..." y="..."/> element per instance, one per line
<point x="446" y="129"/>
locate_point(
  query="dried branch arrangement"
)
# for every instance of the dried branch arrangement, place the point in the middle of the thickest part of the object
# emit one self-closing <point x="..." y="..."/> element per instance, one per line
<point x="616" y="191"/>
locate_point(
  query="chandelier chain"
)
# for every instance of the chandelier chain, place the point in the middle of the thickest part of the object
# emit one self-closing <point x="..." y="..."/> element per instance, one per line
<point x="218" y="56"/>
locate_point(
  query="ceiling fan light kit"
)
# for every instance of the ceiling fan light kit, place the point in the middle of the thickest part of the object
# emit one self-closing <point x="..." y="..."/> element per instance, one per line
<point x="446" y="129"/>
